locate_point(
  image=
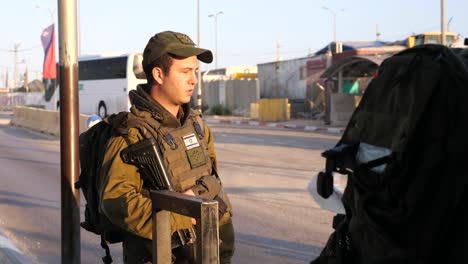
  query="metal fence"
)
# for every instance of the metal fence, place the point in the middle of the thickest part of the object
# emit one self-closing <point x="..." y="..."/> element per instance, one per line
<point x="207" y="229"/>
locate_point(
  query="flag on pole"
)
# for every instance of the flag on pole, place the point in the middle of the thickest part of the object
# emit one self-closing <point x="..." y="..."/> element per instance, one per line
<point x="49" y="71"/>
<point x="48" y="42"/>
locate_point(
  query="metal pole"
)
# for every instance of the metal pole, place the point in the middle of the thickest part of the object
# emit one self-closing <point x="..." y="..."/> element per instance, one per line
<point x="15" y="70"/>
<point x="204" y="211"/>
<point x="69" y="131"/>
<point x="334" y="25"/>
<point x="216" y="40"/>
<point x="199" y="94"/>
<point x="215" y="16"/>
<point x="442" y="22"/>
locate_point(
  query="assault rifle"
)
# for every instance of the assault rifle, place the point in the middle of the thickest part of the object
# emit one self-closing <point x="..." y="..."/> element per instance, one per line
<point x="146" y="155"/>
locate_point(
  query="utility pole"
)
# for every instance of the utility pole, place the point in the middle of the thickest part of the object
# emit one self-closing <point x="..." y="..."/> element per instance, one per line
<point x="15" y="69"/>
<point x="216" y="35"/>
<point x="377" y="33"/>
<point x="278" y="56"/>
<point x="442" y="21"/>
<point x="199" y="93"/>
<point x="333" y="13"/>
<point x="69" y="132"/>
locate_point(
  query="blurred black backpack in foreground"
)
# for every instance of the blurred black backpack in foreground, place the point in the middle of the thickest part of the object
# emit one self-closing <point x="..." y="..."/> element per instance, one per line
<point x="404" y="150"/>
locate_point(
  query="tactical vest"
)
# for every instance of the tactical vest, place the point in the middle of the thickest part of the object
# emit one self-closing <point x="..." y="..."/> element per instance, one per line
<point x="185" y="152"/>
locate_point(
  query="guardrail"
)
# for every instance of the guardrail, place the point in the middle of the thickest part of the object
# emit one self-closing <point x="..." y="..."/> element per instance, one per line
<point x="207" y="230"/>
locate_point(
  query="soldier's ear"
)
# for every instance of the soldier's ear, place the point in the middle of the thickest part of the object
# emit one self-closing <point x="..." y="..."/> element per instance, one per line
<point x="158" y="75"/>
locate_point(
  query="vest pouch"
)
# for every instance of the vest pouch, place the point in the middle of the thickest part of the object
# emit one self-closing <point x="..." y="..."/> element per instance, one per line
<point x="207" y="187"/>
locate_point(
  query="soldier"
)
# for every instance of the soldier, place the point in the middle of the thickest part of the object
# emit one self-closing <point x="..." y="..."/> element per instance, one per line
<point x="170" y="62"/>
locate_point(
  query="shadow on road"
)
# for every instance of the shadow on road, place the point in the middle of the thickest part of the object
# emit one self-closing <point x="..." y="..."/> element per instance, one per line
<point x="279" y="248"/>
<point x="24" y="133"/>
<point x="22" y="200"/>
<point x="294" y="141"/>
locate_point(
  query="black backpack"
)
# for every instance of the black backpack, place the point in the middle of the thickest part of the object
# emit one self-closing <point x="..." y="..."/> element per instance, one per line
<point x="92" y="146"/>
<point x="404" y="151"/>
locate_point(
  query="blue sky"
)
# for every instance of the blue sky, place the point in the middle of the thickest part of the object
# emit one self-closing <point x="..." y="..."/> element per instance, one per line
<point x="249" y="31"/>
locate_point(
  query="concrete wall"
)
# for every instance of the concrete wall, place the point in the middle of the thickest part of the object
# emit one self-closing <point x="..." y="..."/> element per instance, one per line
<point x="210" y="93"/>
<point x="235" y="94"/>
<point x="240" y="94"/>
<point x="341" y="108"/>
<point x="283" y="79"/>
<point x="41" y="120"/>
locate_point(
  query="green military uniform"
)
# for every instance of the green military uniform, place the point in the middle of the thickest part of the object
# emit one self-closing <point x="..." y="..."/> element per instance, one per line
<point x="123" y="199"/>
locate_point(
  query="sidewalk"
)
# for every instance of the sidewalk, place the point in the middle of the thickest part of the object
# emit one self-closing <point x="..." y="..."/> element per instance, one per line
<point x="297" y="124"/>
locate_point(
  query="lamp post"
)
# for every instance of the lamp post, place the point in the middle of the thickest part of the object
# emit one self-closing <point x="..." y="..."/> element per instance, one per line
<point x="215" y="16"/>
<point x="442" y="22"/>
<point x="199" y="92"/>
<point x="333" y="12"/>
<point x="51" y="12"/>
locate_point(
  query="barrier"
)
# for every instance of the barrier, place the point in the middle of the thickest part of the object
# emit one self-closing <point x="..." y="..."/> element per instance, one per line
<point x="41" y="120"/>
<point x="207" y="230"/>
<point x="273" y="110"/>
<point x="341" y="108"/>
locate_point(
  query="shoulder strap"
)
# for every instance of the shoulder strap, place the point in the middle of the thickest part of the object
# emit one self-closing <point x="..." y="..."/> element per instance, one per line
<point x="197" y="121"/>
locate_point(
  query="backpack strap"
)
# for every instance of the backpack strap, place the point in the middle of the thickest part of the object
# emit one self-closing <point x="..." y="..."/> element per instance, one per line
<point x="107" y="259"/>
<point x="198" y="125"/>
<point x="151" y="128"/>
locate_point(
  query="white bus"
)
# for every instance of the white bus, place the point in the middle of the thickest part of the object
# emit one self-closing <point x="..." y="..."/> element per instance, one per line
<point x="104" y="82"/>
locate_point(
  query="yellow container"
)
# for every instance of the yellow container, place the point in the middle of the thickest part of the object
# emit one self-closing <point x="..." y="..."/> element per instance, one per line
<point x="274" y="110"/>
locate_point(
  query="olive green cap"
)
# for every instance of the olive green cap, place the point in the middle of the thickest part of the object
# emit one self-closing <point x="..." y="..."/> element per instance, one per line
<point x="173" y="43"/>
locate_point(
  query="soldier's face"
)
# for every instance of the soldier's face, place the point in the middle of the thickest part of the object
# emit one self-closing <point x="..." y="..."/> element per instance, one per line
<point x="178" y="85"/>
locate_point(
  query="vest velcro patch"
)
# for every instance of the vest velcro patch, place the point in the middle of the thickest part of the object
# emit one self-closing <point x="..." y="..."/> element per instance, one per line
<point x="196" y="157"/>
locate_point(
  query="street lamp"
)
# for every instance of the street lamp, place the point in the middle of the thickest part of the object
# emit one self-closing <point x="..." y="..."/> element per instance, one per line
<point x="199" y="92"/>
<point x="51" y="12"/>
<point x="216" y="35"/>
<point x="442" y="22"/>
<point x="333" y="12"/>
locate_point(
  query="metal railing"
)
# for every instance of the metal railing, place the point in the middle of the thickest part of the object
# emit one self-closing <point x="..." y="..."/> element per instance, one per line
<point x="207" y="229"/>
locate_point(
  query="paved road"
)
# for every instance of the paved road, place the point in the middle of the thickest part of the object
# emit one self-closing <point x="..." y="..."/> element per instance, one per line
<point x="266" y="172"/>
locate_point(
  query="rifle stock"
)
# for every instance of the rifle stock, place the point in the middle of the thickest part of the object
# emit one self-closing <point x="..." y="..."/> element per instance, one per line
<point x="147" y="156"/>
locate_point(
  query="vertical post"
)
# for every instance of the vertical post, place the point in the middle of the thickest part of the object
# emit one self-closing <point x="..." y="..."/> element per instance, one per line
<point x="442" y="22"/>
<point x="208" y="235"/>
<point x="215" y="16"/>
<point x="207" y="229"/>
<point x="69" y="132"/>
<point x="340" y="81"/>
<point x="216" y="40"/>
<point x="334" y="25"/>
<point x="15" y="70"/>
<point x="200" y="80"/>
<point x="162" y="252"/>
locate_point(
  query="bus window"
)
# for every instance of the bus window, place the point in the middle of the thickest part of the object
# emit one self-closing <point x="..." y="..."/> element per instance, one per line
<point x="104" y="83"/>
<point x="112" y="68"/>
<point x="419" y="40"/>
<point x="434" y="39"/>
